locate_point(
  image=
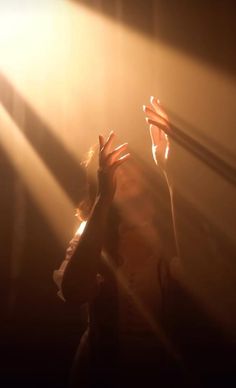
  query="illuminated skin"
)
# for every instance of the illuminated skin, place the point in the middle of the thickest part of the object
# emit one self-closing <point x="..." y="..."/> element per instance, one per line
<point x="158" y="122"/>
<point x="109" y="161"/>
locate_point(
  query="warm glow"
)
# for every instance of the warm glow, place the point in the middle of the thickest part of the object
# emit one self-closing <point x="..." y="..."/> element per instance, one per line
<point x="46" y="192"/>
<point x="167" y="152"/>
<point x="57" y="63"/>
<point x="83" y="73"/>
<point x="154" y="150"/>
<point x="81" y="228"/>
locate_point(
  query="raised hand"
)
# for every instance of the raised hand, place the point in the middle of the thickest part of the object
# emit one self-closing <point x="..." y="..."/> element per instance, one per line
<point x="109" y="160"/>
<point x="159" y="127"/>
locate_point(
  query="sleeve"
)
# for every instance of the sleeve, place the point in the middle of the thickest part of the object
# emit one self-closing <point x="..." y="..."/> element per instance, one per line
<point x="59" y="273"/>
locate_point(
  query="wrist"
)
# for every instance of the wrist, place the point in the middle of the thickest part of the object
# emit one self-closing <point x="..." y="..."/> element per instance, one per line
<point x="169" y="180"/>
<point x="103" y="202"/>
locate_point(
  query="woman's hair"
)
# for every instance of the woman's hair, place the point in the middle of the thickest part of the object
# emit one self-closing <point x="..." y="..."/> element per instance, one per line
<point x="90" y="166"/>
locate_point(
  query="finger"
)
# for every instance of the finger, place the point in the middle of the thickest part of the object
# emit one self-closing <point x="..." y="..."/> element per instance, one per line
<point x="149" y="112"/>
<point x="117" y="151"/>
<point x="108" y="143"/>
<point x="155" y="103"/>
<point x="164" y="128"/>
<point x="101" y="141"/>
<point x="158" y="108"/>
<point x="154" y="115"/>
<point x="120" y="161"/>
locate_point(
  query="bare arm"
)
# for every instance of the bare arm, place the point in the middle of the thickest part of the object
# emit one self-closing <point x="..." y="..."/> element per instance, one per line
<point x="159" y="125"/>
<point x="79" y="280"/>
<point x="170" y="187"/>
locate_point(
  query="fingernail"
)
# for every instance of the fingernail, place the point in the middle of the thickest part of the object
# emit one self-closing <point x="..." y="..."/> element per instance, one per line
<point x="124" y="145"/>
<point x="158" y="101"/>
<point x="146" y="118"/>
<point x="144" y="108"/>
<point x="152" y="98"/>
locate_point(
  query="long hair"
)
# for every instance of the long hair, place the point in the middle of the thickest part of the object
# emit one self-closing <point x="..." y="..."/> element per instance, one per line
<point x="89" y="191"/>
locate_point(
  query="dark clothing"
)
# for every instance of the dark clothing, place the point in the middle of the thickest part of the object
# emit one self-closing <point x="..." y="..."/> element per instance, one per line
<point x="103" y="361"/>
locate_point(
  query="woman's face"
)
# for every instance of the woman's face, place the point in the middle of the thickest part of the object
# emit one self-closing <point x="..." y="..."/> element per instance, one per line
<point x="130" y="183"/>
<point x="133" y="197"/>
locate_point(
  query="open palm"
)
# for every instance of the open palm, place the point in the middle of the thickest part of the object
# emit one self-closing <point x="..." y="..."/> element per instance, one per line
<point x="159" y="125"/>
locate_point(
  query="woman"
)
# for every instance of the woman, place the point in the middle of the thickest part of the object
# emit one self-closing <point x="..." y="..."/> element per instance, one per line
<point x="116" y="267"/>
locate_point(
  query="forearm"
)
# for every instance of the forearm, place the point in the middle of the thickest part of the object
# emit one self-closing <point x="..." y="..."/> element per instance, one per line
<point x="79" y="280"/>
<point x="171" y="193"/>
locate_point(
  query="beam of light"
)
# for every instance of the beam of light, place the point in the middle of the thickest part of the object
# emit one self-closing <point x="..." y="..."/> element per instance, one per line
<point x="154" y="152"/>
<point x="82" y="72"/>
<point x="55" y="55"/>
<point x="81" y="228"/>
<point x="146" y="314"/>
<point x="167" y="152"/>
<point x="46" y="192"/>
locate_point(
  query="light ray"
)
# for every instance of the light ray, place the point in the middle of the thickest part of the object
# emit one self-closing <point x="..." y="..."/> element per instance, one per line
<point x="51" y="198"/>
<point x="82" y="72"/>
<point x="147" y="315"/>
